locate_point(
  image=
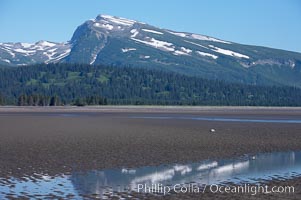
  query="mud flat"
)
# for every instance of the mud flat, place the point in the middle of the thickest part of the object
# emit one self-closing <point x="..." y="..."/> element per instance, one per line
<point x="65" y="139"/>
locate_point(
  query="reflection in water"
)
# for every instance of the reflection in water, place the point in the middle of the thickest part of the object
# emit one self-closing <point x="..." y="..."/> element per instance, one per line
<point x="265" y="166"/>
<point x="220" y="119"/>
<point x="207" y="166"/>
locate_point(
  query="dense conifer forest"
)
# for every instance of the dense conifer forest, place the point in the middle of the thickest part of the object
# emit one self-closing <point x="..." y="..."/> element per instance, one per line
<point x="80" y="84"/>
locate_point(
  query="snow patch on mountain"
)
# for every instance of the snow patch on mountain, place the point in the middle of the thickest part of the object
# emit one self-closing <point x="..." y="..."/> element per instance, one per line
<point x="293" y="65"/>
<point x="106" y="26"/>
<point x="182" y="51"/>
<point x="8" y="50"/>
<point x="49" y="54"/>
<point x="41" y="45"/>
<point x="178" y="33"/>
<point x="166" y="46"/>
<point x="207" y="54"/>
<point x="27" y="52"/>
<point x="45" y="44"/>
<point x="5" y="60"/>
<point x="186" y="50"/>
<point x="203" y="37"/>
<point x="26" y="45"/>
<point x="178" y="52"/>
<point x="128" y="49"/>
<point x="228" y="52"/>
<point x="152" y="31"/>
<point x="118" y="20"/>
<point x="94" y="56"/>
<point x="134" y="33"/>
<point x="198" y="37"/>
<point x="61" y="56"/>
<point x="52" y="50"/>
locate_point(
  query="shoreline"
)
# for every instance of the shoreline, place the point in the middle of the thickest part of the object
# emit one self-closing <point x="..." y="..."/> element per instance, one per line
<point x="144" y="108"/>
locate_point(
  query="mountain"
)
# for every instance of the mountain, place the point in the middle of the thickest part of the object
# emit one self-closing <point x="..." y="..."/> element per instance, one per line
<point x="20" y="54"/>
<point x="116" y="41"/>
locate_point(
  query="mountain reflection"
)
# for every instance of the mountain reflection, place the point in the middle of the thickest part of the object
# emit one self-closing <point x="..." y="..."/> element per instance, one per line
<point x="208" y="172"/>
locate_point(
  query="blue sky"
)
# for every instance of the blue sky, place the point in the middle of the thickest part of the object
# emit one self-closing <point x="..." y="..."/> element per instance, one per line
<point x="272" y="23"/>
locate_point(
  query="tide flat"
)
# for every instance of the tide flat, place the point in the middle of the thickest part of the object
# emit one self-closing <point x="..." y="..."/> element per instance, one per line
<point x="62" y="140"/>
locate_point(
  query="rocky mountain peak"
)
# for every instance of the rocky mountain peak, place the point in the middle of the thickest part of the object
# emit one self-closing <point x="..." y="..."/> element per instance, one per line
<point x="117" y="41"/>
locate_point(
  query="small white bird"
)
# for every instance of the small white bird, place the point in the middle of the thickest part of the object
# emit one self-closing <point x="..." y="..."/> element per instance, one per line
<point x="212" y="130"/>
<point x="253" y="157"/>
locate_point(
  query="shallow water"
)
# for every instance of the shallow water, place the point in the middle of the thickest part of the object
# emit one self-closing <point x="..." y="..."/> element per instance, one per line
<point x="222" y="119"/>
<point x="279" y="165"/>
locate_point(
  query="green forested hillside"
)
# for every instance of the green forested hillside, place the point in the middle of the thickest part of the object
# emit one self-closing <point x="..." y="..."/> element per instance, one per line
<point x="63" y="84"/>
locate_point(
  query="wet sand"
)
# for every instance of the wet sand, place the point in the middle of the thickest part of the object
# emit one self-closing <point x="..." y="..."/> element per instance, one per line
<point x="61" y="140"/>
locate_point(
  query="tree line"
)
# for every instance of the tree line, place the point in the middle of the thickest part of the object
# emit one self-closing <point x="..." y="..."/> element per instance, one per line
<point x="42" y="100"/>
<point x="80" y="84"/>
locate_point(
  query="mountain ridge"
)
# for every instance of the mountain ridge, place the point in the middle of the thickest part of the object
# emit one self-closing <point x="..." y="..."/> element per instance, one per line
<point x="110" y="40"/>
